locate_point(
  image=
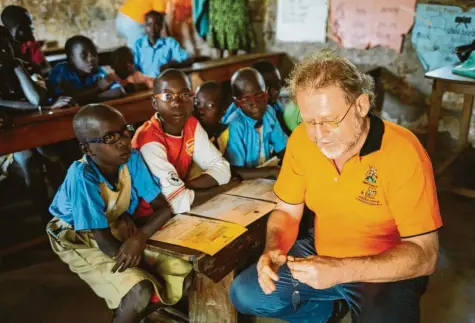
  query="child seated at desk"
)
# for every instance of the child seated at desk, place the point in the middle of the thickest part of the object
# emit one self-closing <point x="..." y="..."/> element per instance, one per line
<point x="209" y="109"/>
<point x="18" y="92"/>
<point x="273" y="81"/>
<point x="19" y="23"/>
<point x="154" y="53"/>
<point x="255" y="134"/>
<point x="173" y="139"/>
<point x="92" y="230"/>
<point x="127" y="75"/>
<point x="81" y="76"/>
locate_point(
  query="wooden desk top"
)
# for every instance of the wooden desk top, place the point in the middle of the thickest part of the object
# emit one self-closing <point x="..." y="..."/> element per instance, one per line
<point x="445" y="74"/>
<point x="35" y="129"/>
<point x="232" y="60"/>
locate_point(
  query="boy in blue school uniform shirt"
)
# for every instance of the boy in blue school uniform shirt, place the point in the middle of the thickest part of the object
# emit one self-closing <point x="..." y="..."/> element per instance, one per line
<point x="93" y="230"/>
<point x="81" y="76"/>
<point x="154" y="53"/>
<point x="255" y="135"/>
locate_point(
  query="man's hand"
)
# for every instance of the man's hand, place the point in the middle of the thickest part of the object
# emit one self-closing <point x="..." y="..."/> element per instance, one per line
<point x="316" y="271"/>
<point x="267" y="268"/>
<point x="130" y="253"/>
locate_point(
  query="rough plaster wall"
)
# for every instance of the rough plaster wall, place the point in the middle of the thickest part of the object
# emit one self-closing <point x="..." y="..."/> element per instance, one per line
<point x="407" y="91"/>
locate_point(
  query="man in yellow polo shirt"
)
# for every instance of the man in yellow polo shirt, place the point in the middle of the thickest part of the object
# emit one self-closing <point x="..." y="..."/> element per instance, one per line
<point x="371" y="186"/>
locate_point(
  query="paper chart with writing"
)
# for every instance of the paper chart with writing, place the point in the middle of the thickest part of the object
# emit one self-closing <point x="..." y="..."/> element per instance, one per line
<point x="438" y="31"/>
<point x="235" y="209"/>
<point x="369" y="23"/>
<point x="302" y="20"/>
<point x="262" y="189"/>
<point x="206" y="235"/>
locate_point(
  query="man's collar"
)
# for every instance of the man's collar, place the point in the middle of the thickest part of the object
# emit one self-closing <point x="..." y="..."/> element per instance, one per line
<point x="158" y="42"/>
<point x="375" y="136"/>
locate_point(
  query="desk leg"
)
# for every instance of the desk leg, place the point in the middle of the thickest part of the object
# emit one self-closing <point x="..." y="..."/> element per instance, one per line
<point x="434" y="116"/>
<point x="466" y="117"/>
<point x="209" y="302"/>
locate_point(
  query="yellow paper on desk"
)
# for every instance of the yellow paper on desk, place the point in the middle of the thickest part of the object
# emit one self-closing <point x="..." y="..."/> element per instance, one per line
<point x="235" y="209"/>
<point x="206" y="235"/>
<point x="261" y="188"/>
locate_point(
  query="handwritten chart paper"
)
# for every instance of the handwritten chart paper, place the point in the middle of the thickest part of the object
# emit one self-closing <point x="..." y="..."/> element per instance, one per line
<point x="206" y="235"/>
<point x="302" y="20"/>
<point x="261" y="188"/>
<point x="438" y="30"/>
<point x="370" y="23"/>
<point x="235" y="209"/>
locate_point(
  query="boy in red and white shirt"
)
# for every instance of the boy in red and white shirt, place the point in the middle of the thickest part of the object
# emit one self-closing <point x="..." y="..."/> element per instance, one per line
<point x="172" y="139"/>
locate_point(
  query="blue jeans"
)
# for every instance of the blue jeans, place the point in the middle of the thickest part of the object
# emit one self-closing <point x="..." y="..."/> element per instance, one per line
<point x="396" y="302"/>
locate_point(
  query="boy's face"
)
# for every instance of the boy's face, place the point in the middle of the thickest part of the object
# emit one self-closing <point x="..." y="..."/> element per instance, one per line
<point x="173" y="100"/>
<point x="251" y="98"/>
<point x="84" y="58"/>
<point x="124" y="66"/>
<point x="208" y="107"/>
<point x="153" y="26"/>
<point x="116" y="153"/>
<point x="274" y="85"/>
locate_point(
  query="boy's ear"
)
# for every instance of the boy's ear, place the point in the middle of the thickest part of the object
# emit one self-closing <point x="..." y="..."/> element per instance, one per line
<point x="85" y="148"/>
<point x="155" y="103"/>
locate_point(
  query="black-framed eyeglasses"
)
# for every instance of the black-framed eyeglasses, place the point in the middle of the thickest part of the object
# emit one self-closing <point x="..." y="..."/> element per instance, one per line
<point x="168" y="97"/>
<point x="331" y="124"/>
<point x="112" y="137"/>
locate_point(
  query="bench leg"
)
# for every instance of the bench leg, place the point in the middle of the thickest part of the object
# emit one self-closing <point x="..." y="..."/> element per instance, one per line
<point x="209" y="302"/>
<point x="466" y="117"/>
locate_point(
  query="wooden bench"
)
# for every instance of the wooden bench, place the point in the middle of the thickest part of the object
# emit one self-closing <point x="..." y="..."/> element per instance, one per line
<point x="209" y="295"/>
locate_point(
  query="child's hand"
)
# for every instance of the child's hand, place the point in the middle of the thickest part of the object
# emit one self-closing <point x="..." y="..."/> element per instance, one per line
<point x="130" y="253"/>
<point x="274" y="171"/>
<point x="62" y="102"/>
<point x="103" y="84"/>
<point x="124" y="227"/>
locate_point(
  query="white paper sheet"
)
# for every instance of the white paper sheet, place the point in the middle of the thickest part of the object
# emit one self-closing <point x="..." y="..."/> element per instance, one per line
<point x="261" y="188"/>
<point x="235" y="209"/>
<point x="302" y="20"/>
<point x="206" y="235"/>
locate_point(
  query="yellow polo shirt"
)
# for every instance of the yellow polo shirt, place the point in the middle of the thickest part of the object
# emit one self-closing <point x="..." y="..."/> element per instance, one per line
<point x="136" y="9"/>
<point x="385" y="193"/>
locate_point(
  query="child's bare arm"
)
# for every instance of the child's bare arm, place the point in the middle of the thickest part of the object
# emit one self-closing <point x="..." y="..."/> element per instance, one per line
<point x="247" y="173"/>
<point x="106" y="241"/>
<point x="202" y="182"/>
<point x="204" y="195"/>
<point x="162" y="213"/>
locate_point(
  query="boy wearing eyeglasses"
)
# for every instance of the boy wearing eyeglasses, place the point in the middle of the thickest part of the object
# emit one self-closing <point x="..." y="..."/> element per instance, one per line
<point x="172" y="139"/>
<point x="93" y="230"/>
<point x="255" y="134"/>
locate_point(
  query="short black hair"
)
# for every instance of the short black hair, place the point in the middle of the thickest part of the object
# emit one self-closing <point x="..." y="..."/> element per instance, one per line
<point x="171" y="72"/>
<point x="264" y="66"/>
<point x="78" y="39"/>
<point x="119" y="53"/>
<point x="13" y="16"/>
<point x="213" y="86"/>
<point x="89" y="116"/>
<point x="157" y="15"/>
<point x="240" y="77"/>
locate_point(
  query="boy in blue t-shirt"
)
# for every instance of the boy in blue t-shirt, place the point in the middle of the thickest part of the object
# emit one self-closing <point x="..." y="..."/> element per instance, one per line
<point x="93" y="229"/>
<point x="154" y="53"/>
<point x="255" y="134"/>
<point x="81" y="76"/>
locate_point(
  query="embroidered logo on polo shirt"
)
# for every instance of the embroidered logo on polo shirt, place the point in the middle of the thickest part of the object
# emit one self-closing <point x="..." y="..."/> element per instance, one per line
<point x="369" y="192"/>
<point x="190" y="146"/>
<point x="174" y="179"/>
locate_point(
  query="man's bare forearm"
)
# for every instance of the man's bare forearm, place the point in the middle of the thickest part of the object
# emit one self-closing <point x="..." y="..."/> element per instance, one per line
<point x="406" y="260"/>
<point x="282" y="231"/>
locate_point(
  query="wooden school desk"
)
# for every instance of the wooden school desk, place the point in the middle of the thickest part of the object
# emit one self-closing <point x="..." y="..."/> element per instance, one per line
<point x="34" y="129"/>
<point x="222" y="70"/>
<point x="445" y="81"/>
<point x="209" y="294"/>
